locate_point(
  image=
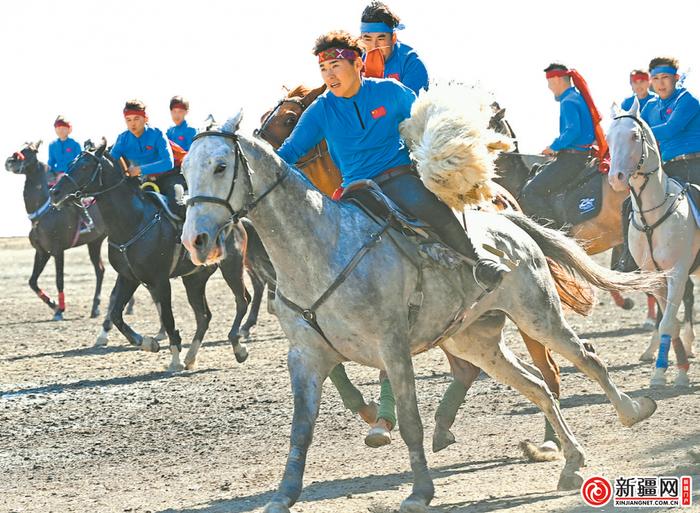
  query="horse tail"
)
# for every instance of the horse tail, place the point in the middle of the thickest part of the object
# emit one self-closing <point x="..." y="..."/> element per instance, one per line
<point x="577" y="296"/>
<point x="571" y="257"/>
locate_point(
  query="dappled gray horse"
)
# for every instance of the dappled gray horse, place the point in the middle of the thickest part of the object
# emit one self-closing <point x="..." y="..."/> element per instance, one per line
<point x="311" y="239"/>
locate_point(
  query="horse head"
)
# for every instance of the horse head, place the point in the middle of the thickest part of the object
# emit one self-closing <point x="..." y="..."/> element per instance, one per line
<point x="24" y="159"/>
<point x="499" y="123"/>
<point x="632" y="148"/>
<point x="84" y="176"/>
<point x="278" y="122"/>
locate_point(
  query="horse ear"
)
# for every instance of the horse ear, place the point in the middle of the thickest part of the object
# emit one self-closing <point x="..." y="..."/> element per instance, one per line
<point x="312" y="95"/>
<point x="101" y="148"/>
<point x="635" y="107"/>
<point x="615" y="110"/>
<point x="35" y="146"/>
<point x="233" y="123"/>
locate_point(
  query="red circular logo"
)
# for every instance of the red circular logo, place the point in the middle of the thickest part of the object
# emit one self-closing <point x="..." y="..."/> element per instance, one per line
<point x="596" y="491"/>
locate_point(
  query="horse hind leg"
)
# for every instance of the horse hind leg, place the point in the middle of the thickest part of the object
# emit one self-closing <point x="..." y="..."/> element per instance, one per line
<point x="58" y="259"/>
<point x="258" y="290"/>
<point x="195" y="286"/>
<point x="162" y="296"/>
<point x="124" y="288"/>
<point x="485" y="348"/>
<point x="41" y="258"/>
<point x="103" y="337"/>
<point x="94" y="250"/>
<point x="688" y="334"/>
<point x="232" y="270"/>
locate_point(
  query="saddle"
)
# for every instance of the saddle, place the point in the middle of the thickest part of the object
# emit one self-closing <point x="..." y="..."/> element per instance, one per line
<point x="579" y="201"/>
<point x="414" y="238"/>
<point x="161" y="201"/>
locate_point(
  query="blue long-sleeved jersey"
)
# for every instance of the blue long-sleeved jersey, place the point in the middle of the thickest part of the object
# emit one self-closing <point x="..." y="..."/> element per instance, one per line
<point x="182" y="135"/>
<point x="62" y="153"/>
<point x="362" y="132"/>
<point x="627" y="102"/>
<point x="406" y="66"/>
<point x="575" y="122"/>
<point x="151" y="151"/>
<point x="675" y="122"/>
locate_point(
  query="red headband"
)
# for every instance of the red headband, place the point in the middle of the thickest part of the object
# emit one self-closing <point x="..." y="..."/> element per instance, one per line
<point x="638" y="77"/>
<point x="134" y="112"/>
<point x="558" y="73"/>
<point x="178" y="105"/>
<point x="334" y="54"/>
<point x="60" y="122"/>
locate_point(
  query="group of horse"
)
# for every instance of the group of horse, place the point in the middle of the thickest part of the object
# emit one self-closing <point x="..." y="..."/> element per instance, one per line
<point x="249" y="210"/>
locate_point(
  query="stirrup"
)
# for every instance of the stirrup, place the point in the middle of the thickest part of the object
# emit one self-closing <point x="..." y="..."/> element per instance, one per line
<point x="480" y="263"/>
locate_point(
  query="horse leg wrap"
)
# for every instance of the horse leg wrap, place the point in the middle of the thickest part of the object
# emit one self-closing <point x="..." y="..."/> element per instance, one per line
<point x="387" y="403"/>
<point x="46" y="299"/>
<point x="664" y="346"/>
<point x="61" y="301"/>
<point x="351" y="396"/>
<point x="450" y="403"/>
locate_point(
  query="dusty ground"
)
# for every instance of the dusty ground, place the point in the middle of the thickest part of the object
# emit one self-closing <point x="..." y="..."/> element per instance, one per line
<point x="106" y="430"/>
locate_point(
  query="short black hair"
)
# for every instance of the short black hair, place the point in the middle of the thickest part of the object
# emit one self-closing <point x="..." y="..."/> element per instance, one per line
<point x="379" y="12"/>
<point x="556" y="66"/>
<point x="134" y="105"/>
<point x="176" y="101"/>
<point x="338" y="39"/>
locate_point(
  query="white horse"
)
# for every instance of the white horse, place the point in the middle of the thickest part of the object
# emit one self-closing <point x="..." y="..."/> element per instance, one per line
<point x="663" y="234"/>
<point x="315" y="243"/>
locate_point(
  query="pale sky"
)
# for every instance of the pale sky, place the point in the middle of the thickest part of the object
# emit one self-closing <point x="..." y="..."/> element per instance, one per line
<point x="83" y="59"/>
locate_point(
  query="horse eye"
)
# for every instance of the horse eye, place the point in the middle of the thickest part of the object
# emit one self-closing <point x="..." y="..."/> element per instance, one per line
<point x="220" y="169"/>
<point x="290" y="121"/>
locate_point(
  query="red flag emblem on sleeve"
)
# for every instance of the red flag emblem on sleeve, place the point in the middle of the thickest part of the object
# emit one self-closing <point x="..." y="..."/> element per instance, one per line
<point x="395" y="76"/>
<point x="149" y="147"/>
<point x="378" y="112"/>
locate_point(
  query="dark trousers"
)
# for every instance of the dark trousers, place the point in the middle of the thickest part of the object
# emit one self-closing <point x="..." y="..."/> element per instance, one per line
<point x="409" y="193"/>
<point x="553" y="177"/>
<point x="684" y="170"/>
<point x="166" y="183"/>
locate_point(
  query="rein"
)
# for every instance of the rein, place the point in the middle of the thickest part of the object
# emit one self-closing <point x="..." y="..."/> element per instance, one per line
<point x="645" y="227"/>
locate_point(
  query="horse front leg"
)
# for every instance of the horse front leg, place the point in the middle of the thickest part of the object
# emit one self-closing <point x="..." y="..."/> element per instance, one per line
<point x="124" y="288"/>
<point x="258" y="289"/>
<point x="309" y="366"/>
<point x="688" y="328"/>
<point x="59" y="260"/>
<point x="195" y="285"/>
<point x="399" y="368"/>
<point x="41" y="258"/>
<point x="94" y="248"/>
<point x="669" y="329"/>
<point x="162" y="296"/>
<point x="232" y="271"/>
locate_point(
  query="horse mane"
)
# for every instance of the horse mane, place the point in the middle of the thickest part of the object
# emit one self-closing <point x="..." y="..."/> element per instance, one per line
<point x="299" y="91"/>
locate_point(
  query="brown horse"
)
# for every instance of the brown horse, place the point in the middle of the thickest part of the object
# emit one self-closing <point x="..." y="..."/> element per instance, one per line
<point x="317" y="165"/>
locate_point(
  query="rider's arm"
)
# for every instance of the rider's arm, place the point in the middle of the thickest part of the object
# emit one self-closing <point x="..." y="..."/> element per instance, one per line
<point x="307" y="134"/>
<point x="571" y="126"/>
<point x="165" y="160"/>
<point x="415" y="74"/>
<point x="685" y="109"/>
<point x="117" y="150"/>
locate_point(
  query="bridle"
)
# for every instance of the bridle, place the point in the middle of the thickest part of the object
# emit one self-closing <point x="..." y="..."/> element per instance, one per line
<point x="240" y="162"/>
<point x="645" y="227"/>
<point x="263" y="132"/>
<point x="80" y="192"/>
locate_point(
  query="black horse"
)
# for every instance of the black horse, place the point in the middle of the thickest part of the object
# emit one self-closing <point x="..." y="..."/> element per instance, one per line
<point x="144" y="248"/>
<point x="53" y="230"/>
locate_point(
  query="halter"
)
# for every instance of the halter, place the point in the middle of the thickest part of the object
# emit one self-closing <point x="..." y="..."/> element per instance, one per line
<point x="645" y="227"/>
<point x="80" y="193"/>
<point x="265" y="135"/>
<point x="239" y="157"/>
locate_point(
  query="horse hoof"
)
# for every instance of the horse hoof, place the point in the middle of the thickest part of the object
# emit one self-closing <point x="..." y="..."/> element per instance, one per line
<point x="649" y="324"/>
<point x="691" y="356"/>
<point x="647" y="357"/>
<point x="681" y="380"/>
<point x="547" y="451"/>
<point x="646" y="407"/>
<point x="58" y="316"/>
<point x="275" y="507"/>
<point x="442" y="438"/>
<point x="241" y="354"/>
<point x="628" y="304"/>
<point x="189" y="365"/>
<point x="101" y="342"/>
<point x="161" y="335"/>
<point x="176" y="367"/>
<point x="570" y="482"/>
<point x="378" y="437"/>
<point x="413" y="505"/>
<point x="658" y="379"/>
<point x="150" y="345"/>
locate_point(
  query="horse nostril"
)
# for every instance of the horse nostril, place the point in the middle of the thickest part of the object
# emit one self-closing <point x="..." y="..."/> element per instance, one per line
<point x="201" y="240"/>
<point x="620" y="176"/>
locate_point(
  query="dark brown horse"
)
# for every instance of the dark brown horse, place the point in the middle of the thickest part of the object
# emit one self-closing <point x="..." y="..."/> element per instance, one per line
<point x="317" y="165"/>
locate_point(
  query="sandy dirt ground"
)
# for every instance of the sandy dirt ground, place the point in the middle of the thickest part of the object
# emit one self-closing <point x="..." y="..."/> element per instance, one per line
<point x="107" y="430"/>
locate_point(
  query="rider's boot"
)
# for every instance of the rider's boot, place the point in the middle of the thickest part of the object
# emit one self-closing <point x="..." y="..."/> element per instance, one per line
<point x="626" y="263"/>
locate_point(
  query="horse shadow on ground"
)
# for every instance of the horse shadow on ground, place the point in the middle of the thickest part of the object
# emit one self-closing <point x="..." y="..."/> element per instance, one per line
<point x="57" y="388"/>
<point x="620" y="332"/>
<point x="577" y="400"/>
<point x="338" y="488"/>
<point x="80" y="351"/>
